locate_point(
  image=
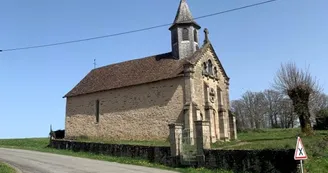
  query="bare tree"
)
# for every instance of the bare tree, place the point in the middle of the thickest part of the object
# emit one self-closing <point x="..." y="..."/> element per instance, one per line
<point x="242" y="120"/>
<point x="318" y="102"/>
<point x="299" y="85"/>
<point x="287" y="116"/>
<point x="273" y="101"/>
<point x="255" y="108"/>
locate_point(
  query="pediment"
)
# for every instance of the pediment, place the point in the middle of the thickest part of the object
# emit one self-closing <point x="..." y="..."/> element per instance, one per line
<point x="208" y="56"/>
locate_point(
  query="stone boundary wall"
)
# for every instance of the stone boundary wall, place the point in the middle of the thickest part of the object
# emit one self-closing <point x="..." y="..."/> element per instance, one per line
<point x="251" y="161"/>
<point x="255" y="161"/>
<point x="155" y="154"/>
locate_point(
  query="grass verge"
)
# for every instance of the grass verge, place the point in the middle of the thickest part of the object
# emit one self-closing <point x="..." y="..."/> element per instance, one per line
<point x="4" y="168"/>
<point x="39" y="144"/>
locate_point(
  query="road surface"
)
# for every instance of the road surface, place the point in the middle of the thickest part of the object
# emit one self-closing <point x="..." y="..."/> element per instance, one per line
<point x="37" y="162"/>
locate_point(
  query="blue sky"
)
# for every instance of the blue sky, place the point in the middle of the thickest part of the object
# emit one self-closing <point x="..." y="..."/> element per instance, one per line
<point x="251" y="44"/>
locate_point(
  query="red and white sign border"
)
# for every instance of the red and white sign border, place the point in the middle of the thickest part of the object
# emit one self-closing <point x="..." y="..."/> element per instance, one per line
<point x="299" y="141"/>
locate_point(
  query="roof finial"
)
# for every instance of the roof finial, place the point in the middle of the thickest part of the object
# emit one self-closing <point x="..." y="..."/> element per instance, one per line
<point x="206" y="36"/>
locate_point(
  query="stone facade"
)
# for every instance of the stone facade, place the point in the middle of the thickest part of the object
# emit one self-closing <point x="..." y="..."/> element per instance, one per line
<point x="211" y="95"/>
<point x="140" y="112"/>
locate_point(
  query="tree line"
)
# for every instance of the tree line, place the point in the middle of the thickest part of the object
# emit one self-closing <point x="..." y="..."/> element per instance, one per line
<point x="295" y="99"/>
<point x="271" y="109"/>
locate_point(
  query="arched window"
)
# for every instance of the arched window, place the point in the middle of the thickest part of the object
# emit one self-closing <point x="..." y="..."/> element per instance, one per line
<point x="195" y="36"/>
<point x="215" y="72"/>
<point x="210" y="66"/>
<point x="204" y="68"/>
<point x="185" y="34"/>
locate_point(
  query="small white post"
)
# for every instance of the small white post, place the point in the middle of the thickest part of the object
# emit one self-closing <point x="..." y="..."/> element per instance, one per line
<point x="301" y="166"/>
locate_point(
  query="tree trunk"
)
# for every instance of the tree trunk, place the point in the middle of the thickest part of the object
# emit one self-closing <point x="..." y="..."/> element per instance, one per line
<point x="271" y="121"/>
<point x="275" y="120"/>
<point x="304" y="116"/>
<point x="300" y="100"/>
<point x="292" y="120"/>
<point x="257" y="123"/>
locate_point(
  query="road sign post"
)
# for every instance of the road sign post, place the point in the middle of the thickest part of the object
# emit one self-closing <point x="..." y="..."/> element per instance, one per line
<point x="300" y="153"/>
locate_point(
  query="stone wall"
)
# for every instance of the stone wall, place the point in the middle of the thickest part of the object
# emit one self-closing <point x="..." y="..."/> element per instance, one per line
<point x="154" y="154"/>
<point x="255" y="161"/>
<point x="140" y="112"/>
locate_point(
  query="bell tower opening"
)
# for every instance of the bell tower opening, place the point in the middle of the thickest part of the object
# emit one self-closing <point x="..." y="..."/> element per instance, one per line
<point x="184" y="33"/>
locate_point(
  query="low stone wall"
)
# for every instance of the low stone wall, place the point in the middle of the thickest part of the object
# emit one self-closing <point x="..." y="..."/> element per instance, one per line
<point x="255" y="161"/>
<point x="252" y="161"/>
<point x="153" y="154"/>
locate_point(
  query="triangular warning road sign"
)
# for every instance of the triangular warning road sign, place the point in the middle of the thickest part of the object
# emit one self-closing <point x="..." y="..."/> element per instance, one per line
<point x="300" y="153"/>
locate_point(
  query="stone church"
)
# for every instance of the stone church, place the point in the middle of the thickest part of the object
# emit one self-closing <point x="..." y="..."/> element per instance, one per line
<point x="138" y="99"/>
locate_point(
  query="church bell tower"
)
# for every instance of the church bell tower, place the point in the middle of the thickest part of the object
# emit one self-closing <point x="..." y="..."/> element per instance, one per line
<point x="184" y="33"/>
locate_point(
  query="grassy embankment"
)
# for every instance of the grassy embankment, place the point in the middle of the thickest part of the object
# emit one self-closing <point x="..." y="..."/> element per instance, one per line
<point x="316" y="147"/>
<point x="4" y="168"/>
<point x="39" y="144"/>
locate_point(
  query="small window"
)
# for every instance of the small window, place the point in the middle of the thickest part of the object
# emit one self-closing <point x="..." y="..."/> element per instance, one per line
<point x="195" y="36"/>
<point x="210" y="66"/>
<point x="185" y="34"/>
<point x="97" y="111"/>
<point x="174" y="36"/>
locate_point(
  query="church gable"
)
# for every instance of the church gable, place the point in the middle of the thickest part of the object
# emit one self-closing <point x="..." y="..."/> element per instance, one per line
<point x="211" y="65"/>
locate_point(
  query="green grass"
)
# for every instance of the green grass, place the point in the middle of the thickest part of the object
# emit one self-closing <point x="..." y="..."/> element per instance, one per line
<point x="4" y="168"/>
<point x="39" y="144"/>
<point x="316" y="147"/>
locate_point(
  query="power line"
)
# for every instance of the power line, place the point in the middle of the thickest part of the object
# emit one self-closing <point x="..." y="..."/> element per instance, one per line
<point x="133" y="31"/>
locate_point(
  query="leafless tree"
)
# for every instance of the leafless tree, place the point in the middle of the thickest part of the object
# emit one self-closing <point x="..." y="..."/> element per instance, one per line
<point x="242" y="120"/>
<point x="299" y="85"/>
<point x="287" y="116"/>
<point x="254" y="105"/>
<point x="318" y="102"/>
<point x="273" y="102"/>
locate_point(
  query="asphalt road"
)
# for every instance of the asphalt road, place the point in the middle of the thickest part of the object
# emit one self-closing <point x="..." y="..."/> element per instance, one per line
<point x="37" y="162"/>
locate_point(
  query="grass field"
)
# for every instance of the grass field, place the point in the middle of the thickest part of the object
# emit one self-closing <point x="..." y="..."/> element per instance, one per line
<point x="316" y="148"/>
<point x="4" y="168"/>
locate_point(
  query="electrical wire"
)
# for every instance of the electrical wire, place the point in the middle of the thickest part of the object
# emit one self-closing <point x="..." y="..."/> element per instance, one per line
<point x="133" y="31"/>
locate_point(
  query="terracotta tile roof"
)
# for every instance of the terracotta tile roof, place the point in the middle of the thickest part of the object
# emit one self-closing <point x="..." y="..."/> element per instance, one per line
<point x="128" y="73"/>
<point x="138" y="71"/>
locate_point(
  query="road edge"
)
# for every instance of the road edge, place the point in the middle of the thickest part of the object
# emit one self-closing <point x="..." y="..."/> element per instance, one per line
<point x="11" y="166"/>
